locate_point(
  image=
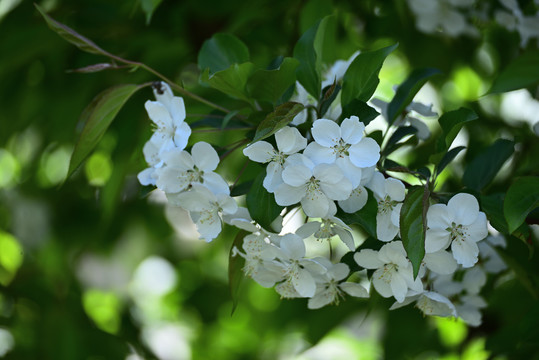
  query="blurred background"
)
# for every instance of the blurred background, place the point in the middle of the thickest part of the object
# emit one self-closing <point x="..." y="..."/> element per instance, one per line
<point x="97" y="267"/>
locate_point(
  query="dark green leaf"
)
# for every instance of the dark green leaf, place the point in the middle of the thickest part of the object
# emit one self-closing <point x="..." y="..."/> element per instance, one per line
<point x="407" y="91"/>
<point x="365" y="217"/>
<point x="227" y="118"/>
<point x="413" y="225"/>
<point x="235" y="268"/>
<point x="221" y="52"/>
<point x="261" y="204"/>
<point x="231" y="81"/>
<point x="522" y="197"/>
<point x="451" y="123"/>
<point x="359" y="108"/>
<point x="328" y="96"/>
<point x="361" y="78"/>
<point x="269" y="85"/>
<point x="397" y="136"/>
<point x="412" y="141"/>
<point x="278" y="119"/>
<point x="149" y="6"/>
<point x="492" y="205"/>
<point x="241" y="189"/>
<point x="448" y="157"/>
<point x="97" y="117"/>
<point x="71" y="35"/>
<point x="480" y="172"/>
<point x="522" y="72"/>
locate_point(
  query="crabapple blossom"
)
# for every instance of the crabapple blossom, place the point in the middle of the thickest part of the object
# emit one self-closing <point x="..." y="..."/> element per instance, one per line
<point x="315" y="186"/>
<point x="181" y="170"/>
<point x="394" y="273"/>
<point x="459" y="224"/>
<point x="430" y="303"/>
<point x="289" y="141"/>
<point x="389" y="194"/>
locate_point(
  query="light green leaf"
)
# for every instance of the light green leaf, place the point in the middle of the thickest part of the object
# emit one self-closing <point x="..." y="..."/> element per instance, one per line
<point x="261" y="204"/>
<point x="407" y="91"/>
<point x="361" y="78"/>
<point x="279" y="118"/>
<point x="522" y="197"/>
<point x="269" y="85"/>
<point x="521" y="73"/>
<point x="481" y="170"/>
<point x="413" y="225"/>
<point x="221" y="52"/>
<point x="97" y="117"/>
<point x="149" y="6"/>
<point x="231" y="81"/>
<point x="71" y="35"/>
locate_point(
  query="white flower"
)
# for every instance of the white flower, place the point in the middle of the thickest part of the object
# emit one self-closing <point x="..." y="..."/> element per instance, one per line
<point x="329" y="286"/>
<point x="430" y="303"/>
<point x="315" y="186"/>
<point x="491" y="261"/>
<point x="441" y="262"/>
<point x="289" y="141"/>
<point x="469" y="309"/>
<point x="181" y="170"/>
<point x="168" y="114"/>
<point x="358" y="198"/>
<point x="389" y="194"/>
<point x="152" y="157"/>
<point x="394" y="273"/>
<point x="343" y="145"/>
<point x="459" y="224"/>
<point x="205" y="208"/>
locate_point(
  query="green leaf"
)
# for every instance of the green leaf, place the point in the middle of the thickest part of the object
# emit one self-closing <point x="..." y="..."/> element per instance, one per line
<point x="521" y="73"/>
<point x="400" y="133"/>
<point x="413" y="225"/>
<point x="451" y="122"/>
<point x="221" y="52"/>
<point x="522" y="197"/>
<point x="361" y="78"/>
<point x="448" y="157"/>
<point x="492" y="205"/>
<point x="71" y="35"/>
<point x="261" y="204"/>
<point x="231" y="81"/>
<point x="407" y="91"/>
<point x="359" y="108"/>
<point x="329" y="93"/>
<point x="97" y="117"/>
<point x="279" y="118"/>
<point x="149" y="6"/>
<point x="480" y="172"/>
<point x="365" y="217"/>
<point x="235" y="268"/>
<point x="269" y="85"/>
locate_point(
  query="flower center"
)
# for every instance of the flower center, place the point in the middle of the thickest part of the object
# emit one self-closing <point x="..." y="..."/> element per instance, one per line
<point x="341" y="149"/>
<point x="386" y="205"/>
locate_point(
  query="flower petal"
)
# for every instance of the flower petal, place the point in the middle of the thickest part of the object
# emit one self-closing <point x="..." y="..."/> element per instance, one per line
<point x="354" y="289"/>
<point x="326" y="132"/>
<point x="465" y="252"/>
<point x="315" y="203"/>
<point x="436" y="239"/>
<point x="304" y="283"/>
<point x="368" y="259"/>
<point x="205" y="156"/>
<point x="358" y="198"/>
<point x="365" y="153"/>
<point x="260" y="151"/>
<point x="296" y="175"/>
<point x="289" y="195"/>
<point x="441" y="262"/>
<point x="398" y="287"/>
<point x="289" y="140"/>
<point x="293" y="246"/>
<point x="319" y="154"/>
<point x="464" y="208"/>
<point x="352" y="130"/>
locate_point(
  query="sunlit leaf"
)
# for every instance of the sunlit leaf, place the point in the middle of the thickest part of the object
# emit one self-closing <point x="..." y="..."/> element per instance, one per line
<point x="269" y="85"/>
<point x="521" y="198"/>
<point x="261" y="204"/>
<point x="221" y="52"/>
<point x="97" y="117"/>
<point x="482" y="170"/>
<point x="71" y="35"/>
<point x="521" y="73"/>
<point x="413" y="225"/>
<point x="361" y="78"/>
<point x="407" y="91"/>
<point x="279" y="118"/>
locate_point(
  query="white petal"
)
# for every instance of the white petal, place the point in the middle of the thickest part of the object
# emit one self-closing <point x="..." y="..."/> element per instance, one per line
<point x="328" y="174"/>
<point x="350" y="171"/>
<point x="296" y="175"/>
<point x="177" y="109"/>
<point x="215" y="183"/>
<point x="423" y="131"/>
<point x="438" y="217"/>
<point x="205" y="156"/>
<point x="320" y="154"/>
<point x="352" y="130"/>
<point x="395" y="215"/>
<point x="436" y="239"/>
<point x="171" y="180"/>
<point x="354" y="289"/>
<point x="308" y="229"/>
<point x="289" y="195"/>
<point x="326" y="132"/>
<point x="464" y="208"/>
<point x="340" y="191"/>
<point x="159" y="114"/>
<point x="289" y="140"/>
<point x="293" y="246"/>
<point x="365" y="153"/>
<point x="398" y="287"/>
<point x="260" y="151"/>
<point x="179" y="159"/>
<point x="346" y="237"/>
<point x="432" y="303"/>
<point x="395" y="189"/>
<point x="441" y="262"/>
<point x="315" y="204"/>
<point x="181" y="135"/>
<point x="465" y="252"/>
<point x="378" y="185"/>
<point x="339" y="271"/>
<point x="385" y="230"/>
<point x="358" y="198"/>
<point x="380" y="284"/>
<point x="146" y="176"/>
<point x="474" y="279"/>
<point x="273" y="177"/>
<point x="478" y="229"/>
<point x="368" y="259"/>
<point x="321" y="299"/>
<point x="304" y="283"/>
<point x="227" y="204"/>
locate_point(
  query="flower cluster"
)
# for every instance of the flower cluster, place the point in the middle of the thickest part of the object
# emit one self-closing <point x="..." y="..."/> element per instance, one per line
<point x="329" y="170"/>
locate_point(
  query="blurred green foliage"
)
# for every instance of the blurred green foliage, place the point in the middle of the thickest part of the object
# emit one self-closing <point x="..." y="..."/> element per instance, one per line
<point x="71" y="254"/>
